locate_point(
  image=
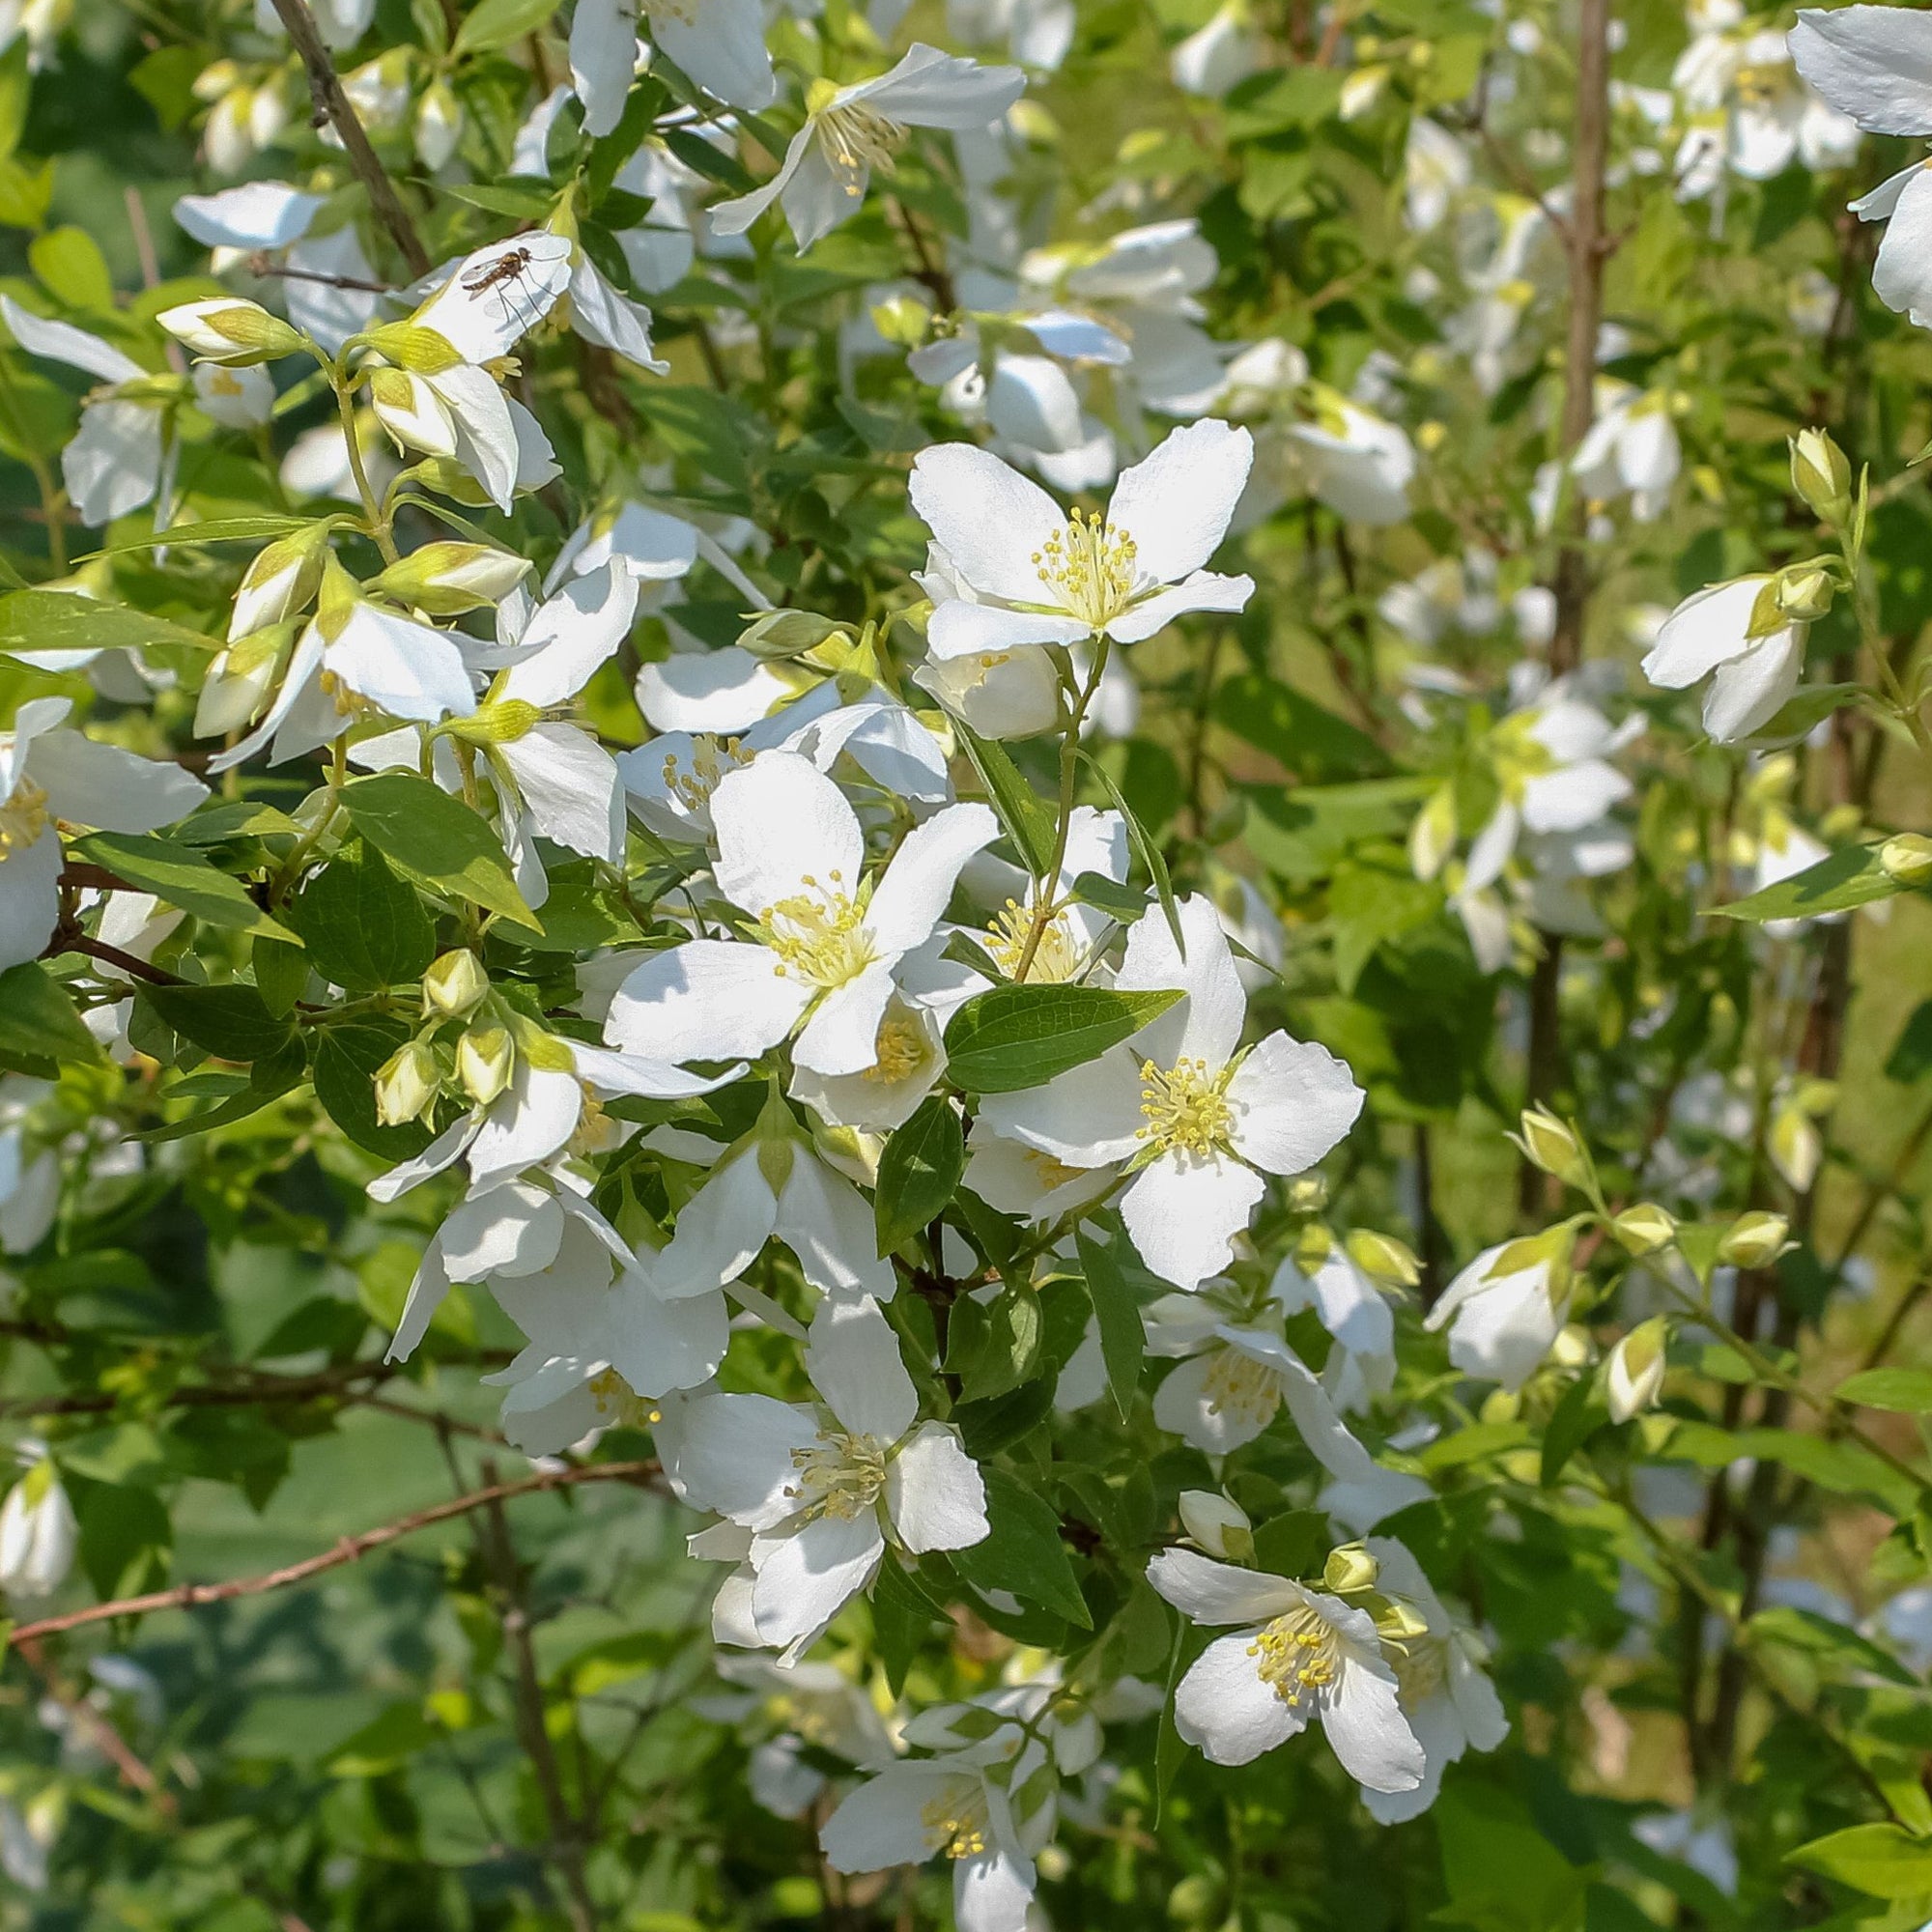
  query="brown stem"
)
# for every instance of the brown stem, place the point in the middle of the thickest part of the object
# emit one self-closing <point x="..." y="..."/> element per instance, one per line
<point x="260" y="265"/>
<point x="347" y="1549"/>
<point x="133" y="1769"/>
<point x="332" y="105"/>
<point x="566" y="1838"/>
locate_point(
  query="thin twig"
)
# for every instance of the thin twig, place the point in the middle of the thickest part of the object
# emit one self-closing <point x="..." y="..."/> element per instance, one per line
<point x="260" y="265"/>
<point x="347" y="1549"/>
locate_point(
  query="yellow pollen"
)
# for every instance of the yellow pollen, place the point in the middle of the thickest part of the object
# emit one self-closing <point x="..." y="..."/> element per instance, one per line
<point x="348" y="703"/>
<point x="819" y="935"/>
<point x="1090" y="569"/>
<point x="955" y="1834"/>
<point x="1049" y="1172"/>
<point x="618" y="1402"/>
<point x="1057" y="957"/>
<point x="1298" y="1653"/>
<point x="1186" y="1107"/>
<point x="596" y="1132"/>
<point x="1238" y="1384"/>
<point x="855" y="140"/>
<point x="22" y="818"/>
<point x="837" y="1475"/>
<point x="900" y="1047"/>
<point x="709" y="758"/>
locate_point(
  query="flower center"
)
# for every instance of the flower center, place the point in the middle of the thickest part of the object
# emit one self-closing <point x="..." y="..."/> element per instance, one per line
<point x="1298" y="1655"/>
<point x="856" y="140"/>
<point x="837" y="1475"/>
<point x="596" y="1132"/>
<point x="1089" y="567"/>
<point x="819" y="935"/>
<point x="22" y="818"/>
<point x="900" y="1046"/>
<point x="692" y="788"/>
<point x="1049" y="1172"/>
<point x="1186" y="1107"/>
<point x="618" y="1402"/>
<point x="1238" y="1384"/>
<point x="1055" y="960"/>
<point x="956" y="1827"/>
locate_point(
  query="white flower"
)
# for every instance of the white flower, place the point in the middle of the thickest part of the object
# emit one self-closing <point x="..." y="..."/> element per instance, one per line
<point x="1634" y="1375"/>
<point x="849" y="132"/>
<point x="1355" y="462"/>
<point x="1450" y="1703"/>
<point x="1203" y="1118"/>
<point x="49" y="772"/>
<point x="1506" y="1308"/>
<point x="1436" y="167"/>
<point x="1710" y="632"/>
<point x="1036" y="578"/>
<point x="1219" y="56"/>
<point x="37" y="1531"/>
<point x="823" y="1488"/>
<point x="1304" y="1656"/>
<point x="1632" y="447"/>
<point x="1072" y="931"/>
<point x="823" y="939"/>
<point x="1354" y="1310"/>
<point x="721" y="46"/>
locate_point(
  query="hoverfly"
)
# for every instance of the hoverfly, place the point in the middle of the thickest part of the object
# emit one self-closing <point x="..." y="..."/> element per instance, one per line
<point x="501" y="274"/>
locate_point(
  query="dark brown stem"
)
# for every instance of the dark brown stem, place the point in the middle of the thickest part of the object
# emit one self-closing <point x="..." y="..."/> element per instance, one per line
<point x="347" y="1549"/>
<point x="332" y="106"/>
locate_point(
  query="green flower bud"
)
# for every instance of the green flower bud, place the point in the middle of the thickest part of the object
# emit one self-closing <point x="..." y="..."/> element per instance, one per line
<point x="406" y="1084"/>
<point x="1644" y="1229"/>
<point x="1805" y="593"/>
<point x="1907" y="858"/>
<point x="225" y="328"/>
<point x="1633" y="1376"/>
<point x="1384" y="1258"/>
<point x="1822" y="477"/>
<point x="1753" y="1241"/>
<point x="1218" y="1525"/>
<point x="485" y="1059"/>
<point x="1349" y="1569"/>
<point x="1552" y="1146"/>
<point x="448" y="578"/>
<point x="788" y="633"/>
<point x="422" y="351"/>
<point x="455" y="984"/>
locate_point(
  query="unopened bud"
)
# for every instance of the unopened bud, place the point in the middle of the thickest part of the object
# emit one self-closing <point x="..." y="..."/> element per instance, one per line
<point x="786" y="634"/>
<point x="1634" y="1372"/>
<point x="501" y="722"/>
<point x="1307" y="1194"/>
<point x="1398" y="1622"/>
<point x="422" y="351"/>
<point x="1803" y="593"/>
<point x="238" y="680"/>
<point x="279" y="582"/>
<point x="1552" y="1146"/>
<point x="1822" y="477"/>
<point x="1384" y="1259"/>
<point x="406" y="1084"/>
<point x="1349" y="1569"/>
<point x="1644" y="1229"/>
<point x="902" y="321"/>
<point x="1218" y="1525"/>
<point x="1907" y="858"/>
<point x="1753" y="1241"/>
<point x="225" y="328"/>
<point x="448" y="578"/>
<point x="1433" y="837"/>
<point x="454" y="984"/>
<point x="1572" y="1349"/>
<point x="485" y="1059"/>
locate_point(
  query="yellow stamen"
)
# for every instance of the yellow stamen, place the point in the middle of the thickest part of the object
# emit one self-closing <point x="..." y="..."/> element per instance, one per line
<point x="955" y="1832"/>
<point x="1238" y="1384"/>
<point x="22" y="818"/>
<point x="901" y="1049"/>
<point x="1090" y="569"/>
<point x="618" y="1402"/>
<point x="1299" y="1655"/>
<point x="819" y="934"/>
<point x="1186" y="1107"/>
<point x="710" y="758"/>
<point x="857" y="139"/>
<point x="838" y="1475"/>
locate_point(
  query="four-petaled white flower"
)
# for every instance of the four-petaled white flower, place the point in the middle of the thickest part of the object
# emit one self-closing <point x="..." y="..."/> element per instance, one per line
<point x="1711" y="632"/>
<point x="1304" y="1656"/>
<point x="1203" y="1118"/>
<point x="1505" y="1309"/>
<point x="823" y="940"/>
<point x="823" y="1489"/>
<point x="1036" y="576"/>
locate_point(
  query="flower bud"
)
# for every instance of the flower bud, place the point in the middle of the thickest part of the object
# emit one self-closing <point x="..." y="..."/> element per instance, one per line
<point x="422" y="351"/>
<point x="501" y="722"/>
<point x="1552" y="1146"/>
<point x="1433" y="837"/>
<point x="902" y="321"/>
<point x="1634" y="1372"/>
<point x="37" y="1533"/>
<point x="485" y="1059"/>
<point x="1753" y="1241"/>
<point x="1822" y="477"/>
<point x="439" y="125"/>
<point x="454" y="984"/>
<point x="1384" y="1258"/>
<point x="238" y="681"/>
<point x="1400" y="1623"/>
<point x="406" y="1082"/>
<point x="1803" y="593"/>
<point x="448" y="578"/>
<point x="788" y="634"/>
<point x="279" y="582"/>
<point x="1218" y="1525"/>
<point x="1349" y="1569"/>
<point x="1907" y="858"/>
<point x="225" y="328"/>
<point x="1307" y="1194"/>
<point x="1643" y="1228"/>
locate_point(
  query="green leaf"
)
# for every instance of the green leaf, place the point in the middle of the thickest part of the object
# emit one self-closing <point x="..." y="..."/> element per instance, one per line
<point x="988" y="1427"/>
<point x="1023" y="1553"/>
<point x="994" y="1347"/>
<point x="347" y="1059"/>
<point x="1293" y="1544"/>
<point x="364" y="927"/>
<point x="52" y="620"/>
<point x="1144" y="850"/>
<point x="436" y="840"/>
<point x="1578" y="1417"/>
<point x="528" y="200"/>
<point x="1010" y="1038"/>
<point x="1118" y="902"/>
<point x="1311" y="743"/>
<point x="1833" y="1643"/>
<point x="179" y="875"/>
<point x="39" y="1025"/>
<point x="15" y="83"/>
<point x="716" y="164"/>
<point x="1371" y="902"/>
<point x="232" y="1022"/>
<point x="904" y="1616"/>
<point x="1908" y="1391"/>
<point x="1026" y="820"/>
<point x="918" y="1172"/>
<point x="1911" y="1056"/>
<point x="1804" y="713"/>
<point x="496" y="24"/>
<point x="263" y="528"/>
<point x="1880" y="1860"/>
<point x="1848" y="878"/>
<point x="71" y="267"/>
<point x="281" y="971"/>
<point x="1118" y="1312"/>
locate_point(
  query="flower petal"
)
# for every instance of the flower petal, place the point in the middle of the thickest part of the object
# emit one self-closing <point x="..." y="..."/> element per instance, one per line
<point x="1176" y="503"/>
<point x="708" y="999"/>
<point x="934" y="1493"/>
<point x="1208" y="1592"/>
<point x="989" y="519"/>
<point x="1291" y="1100"/>
<point x="1226" y="1712"/>
<point x="780" y="822"/>
<point x="1184" y="1211"/>
<point x="853" y="1361"/>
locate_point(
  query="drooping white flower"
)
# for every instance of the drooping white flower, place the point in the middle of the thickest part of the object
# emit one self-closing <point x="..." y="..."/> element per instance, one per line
<point x="1448" y="1699"/>
<point x="1507" y="1307"/>
<point x="849" y="132"/>
<point x="38" y="1530"/>
<point x="1711" y="632"/>
<point x="49" y="772"/>
<point x="1633" y="1374"/>
<point x="1354" y="1310"/>
<point x="824" y="1488"/>
<point x="1204" y="1119"/>
<point x="823" y="939"/>
<point x="1036" y="578"/>
<point x="1217" y="56"/>
<point x="1304" y="1656"/>
<point x="720" y="47"/>
<point x="1631" y="448"/>
<point x="1357" y="463"/>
